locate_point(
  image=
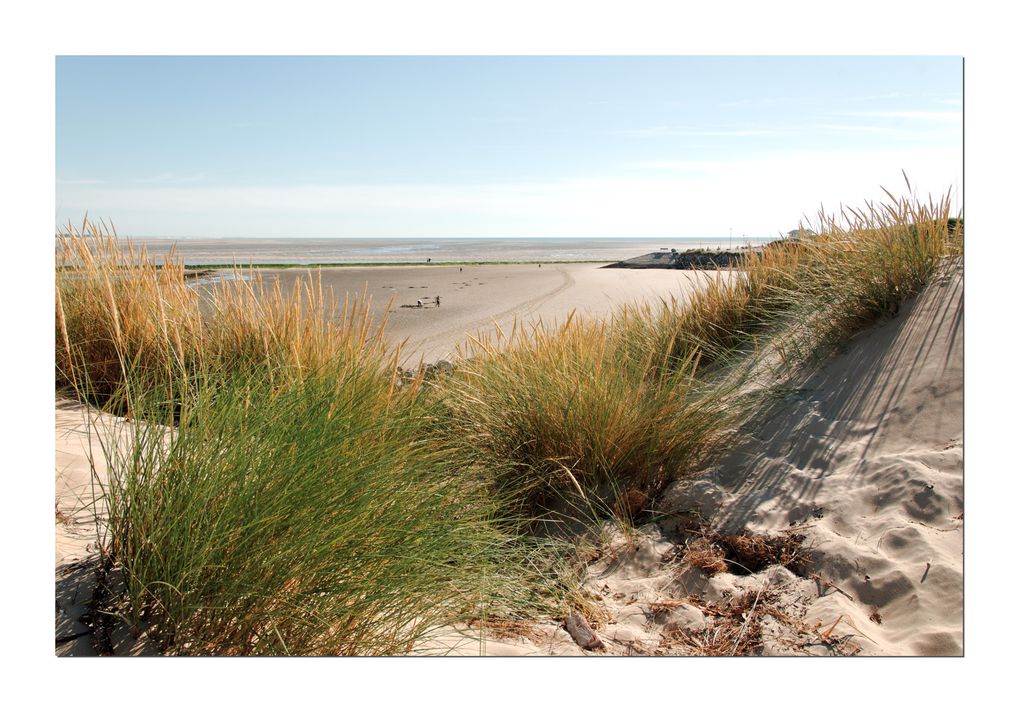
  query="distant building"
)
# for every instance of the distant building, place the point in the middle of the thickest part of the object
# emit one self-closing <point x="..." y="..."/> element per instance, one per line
<point x="800" y="233"/>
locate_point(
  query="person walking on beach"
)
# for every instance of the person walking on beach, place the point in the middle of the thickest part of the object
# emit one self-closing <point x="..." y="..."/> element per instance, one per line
<point x="437" y="300"/>
<point x="419" y="304"/>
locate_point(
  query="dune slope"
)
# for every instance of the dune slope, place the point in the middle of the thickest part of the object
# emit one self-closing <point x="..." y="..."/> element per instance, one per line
<point x="861" y="464"/>
<point x="868" y="451"/>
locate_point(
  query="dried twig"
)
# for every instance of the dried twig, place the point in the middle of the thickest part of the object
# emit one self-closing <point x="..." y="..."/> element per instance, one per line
<point x="826" y="583"/>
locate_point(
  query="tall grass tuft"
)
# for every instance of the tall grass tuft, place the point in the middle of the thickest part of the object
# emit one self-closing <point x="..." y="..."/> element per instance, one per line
<point x="574" y="410"/>
<point x="313" y="519"/>
<point x="115" y="307"/>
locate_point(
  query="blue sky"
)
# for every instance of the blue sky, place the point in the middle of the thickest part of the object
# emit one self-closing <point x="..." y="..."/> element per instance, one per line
<point x="495" y="146"/>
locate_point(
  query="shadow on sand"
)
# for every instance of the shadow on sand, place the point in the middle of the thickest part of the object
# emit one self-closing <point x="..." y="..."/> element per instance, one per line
<point x="841" y="410"/>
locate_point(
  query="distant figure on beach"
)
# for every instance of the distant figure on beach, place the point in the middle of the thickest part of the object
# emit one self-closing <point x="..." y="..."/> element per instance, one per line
<point x="419" y="303"/>
<point x="462" y="269"/>
<point x="428" y="259"/>
<point x="540" y="265"/>
<point x="437" y="300"/>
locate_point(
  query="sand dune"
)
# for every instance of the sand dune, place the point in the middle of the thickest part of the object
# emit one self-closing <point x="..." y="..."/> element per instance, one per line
<point x="473" y="299"/>
<point x="864" y="462"/>
<point x="869" y="452"/>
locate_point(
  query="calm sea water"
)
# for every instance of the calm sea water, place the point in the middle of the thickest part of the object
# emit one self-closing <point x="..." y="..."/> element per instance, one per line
<point x="207" y="251"/>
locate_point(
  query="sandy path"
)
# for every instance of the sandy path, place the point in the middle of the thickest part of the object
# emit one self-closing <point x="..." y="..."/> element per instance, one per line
<point x="77" y="447"/>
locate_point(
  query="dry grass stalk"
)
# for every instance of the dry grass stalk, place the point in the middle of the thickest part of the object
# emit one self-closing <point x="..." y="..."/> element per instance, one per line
<point x="118" y="311"/>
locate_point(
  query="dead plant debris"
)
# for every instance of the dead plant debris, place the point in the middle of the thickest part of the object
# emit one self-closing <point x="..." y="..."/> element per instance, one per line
<point x="746" y="553"/>
<point x="733" y="628"/>
<point x="706" y="555"/>
<point x="742" y="625"/>
<point x="509" y="629"/>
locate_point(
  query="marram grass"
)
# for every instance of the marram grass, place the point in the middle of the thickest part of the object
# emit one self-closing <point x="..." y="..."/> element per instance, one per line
<point x="313" y="519"/>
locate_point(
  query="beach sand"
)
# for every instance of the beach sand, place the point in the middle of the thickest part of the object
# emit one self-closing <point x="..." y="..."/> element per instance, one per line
<point x="476" y="298"/>
<point x="76" y="534"/>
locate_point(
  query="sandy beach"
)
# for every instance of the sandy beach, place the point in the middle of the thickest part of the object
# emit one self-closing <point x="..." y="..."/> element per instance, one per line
<point x="476" y="299"/>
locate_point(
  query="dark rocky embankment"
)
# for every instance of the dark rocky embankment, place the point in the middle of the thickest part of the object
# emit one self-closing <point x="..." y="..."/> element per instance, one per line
<point x="687" y="260"/>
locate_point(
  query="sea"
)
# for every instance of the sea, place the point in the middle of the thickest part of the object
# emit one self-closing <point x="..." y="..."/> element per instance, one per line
<point x="303" y="251"/>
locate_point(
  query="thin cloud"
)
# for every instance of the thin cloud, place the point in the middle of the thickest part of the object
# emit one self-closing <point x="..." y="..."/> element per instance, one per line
<point x="927" y="115"/>
<point x="681" y="165"/>
<point x="754" y="195"/>
<point x="499" y="119"/>
<point x="881" y="97"/>
<point x="659" y="131"/>
<point x="863" y="128"/>
<point x="772" y="101"/>
<point x="172" y="178"/>
<point x="765" y="101"/>
<point x="747" y="102"/>
<point x="80" y="181"/>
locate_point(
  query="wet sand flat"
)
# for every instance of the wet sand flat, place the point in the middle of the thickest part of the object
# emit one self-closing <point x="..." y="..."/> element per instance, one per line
<point x="476" y="299"/>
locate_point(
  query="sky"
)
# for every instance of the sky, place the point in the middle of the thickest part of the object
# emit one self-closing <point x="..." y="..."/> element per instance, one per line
<point x="497" y="146"/>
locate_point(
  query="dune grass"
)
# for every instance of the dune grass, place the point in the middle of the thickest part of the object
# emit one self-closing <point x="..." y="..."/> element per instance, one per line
<point x="280" y="494"/>
<point x="628" y="404"/>
<point x="572" y="410"/>
<point x="312" y="519"/>
<point x="119" y="311"/>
